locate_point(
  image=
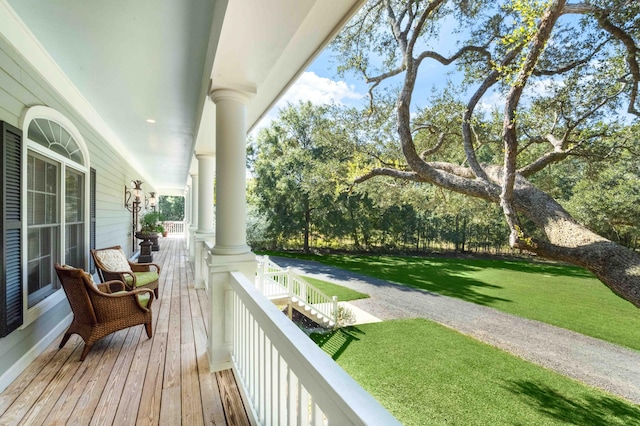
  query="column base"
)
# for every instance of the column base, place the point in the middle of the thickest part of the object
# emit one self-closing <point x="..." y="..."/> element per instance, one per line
<point x="236" y="250"/>
<point x="220" y="341"/>
<point x="201" y="244"/>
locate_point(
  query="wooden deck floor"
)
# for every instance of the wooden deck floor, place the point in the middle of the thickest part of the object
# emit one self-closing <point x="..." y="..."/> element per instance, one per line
<point x="128" y="379"/>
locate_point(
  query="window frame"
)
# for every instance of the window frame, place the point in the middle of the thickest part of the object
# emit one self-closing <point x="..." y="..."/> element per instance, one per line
<point x="42" y="112"/>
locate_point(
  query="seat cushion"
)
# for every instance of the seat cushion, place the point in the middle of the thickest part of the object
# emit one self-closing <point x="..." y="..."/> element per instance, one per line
<point x="142" y="278"/>
<point x="114" y="260"/>
<point x="142" y="298"/>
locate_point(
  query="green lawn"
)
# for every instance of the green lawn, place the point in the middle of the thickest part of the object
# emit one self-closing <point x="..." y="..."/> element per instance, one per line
<point x="565" y="296"/>
<point x="344" y="294"/>
<point x="426" y="374"/>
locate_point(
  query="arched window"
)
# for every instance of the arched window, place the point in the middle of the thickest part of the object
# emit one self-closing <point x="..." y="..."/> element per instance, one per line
<point x="57" y="202"/>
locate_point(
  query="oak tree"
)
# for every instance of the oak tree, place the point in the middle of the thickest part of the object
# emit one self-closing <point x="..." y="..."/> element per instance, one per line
<point x="563" y="80"/>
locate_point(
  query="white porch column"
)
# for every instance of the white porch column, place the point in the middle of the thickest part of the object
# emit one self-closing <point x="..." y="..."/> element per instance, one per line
<point x="230" y="252"/>
<point x="204" y="234"/>
<point x="194" y="201"/>
<point x="206" y="176"/>
<point x="231" y="180"/>
<point x="193" y="227"/>
<point x="187" y="204"/>
<point x="187" y="214"/>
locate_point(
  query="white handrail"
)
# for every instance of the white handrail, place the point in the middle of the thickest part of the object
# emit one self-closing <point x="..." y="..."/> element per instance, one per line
<point x="286" y="377"/>
<point x="173" y="227"/>
<point x="275" y="281"/>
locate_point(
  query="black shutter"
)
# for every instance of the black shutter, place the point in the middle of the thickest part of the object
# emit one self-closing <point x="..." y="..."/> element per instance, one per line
<point x="10" y="229"/>
<point x="92" y="214"/>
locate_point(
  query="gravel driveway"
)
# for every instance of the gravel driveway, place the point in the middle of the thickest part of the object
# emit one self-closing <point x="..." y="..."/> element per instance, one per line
<point x="600" y="364"/>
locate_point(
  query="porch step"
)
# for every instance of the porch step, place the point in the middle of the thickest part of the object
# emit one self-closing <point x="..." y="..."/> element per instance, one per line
<point x="310" y="312"/>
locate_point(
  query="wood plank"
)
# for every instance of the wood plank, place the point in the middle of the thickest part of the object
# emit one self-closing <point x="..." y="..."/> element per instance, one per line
<point x="35" y="389"/>
<point x="131" y="393"/>
<point x="92" y="393"/>
<point x="213" y="412"/>
<point x="191" y="402"/>
<point x="110" y="398"/>
<point x="129" y="408"/>
<point x="66" y="389"/>
<point x="233" y="407"/>
<point x="13" y="391"/>
<point x="170" y="409"/>
<point x="149" y="411"/>
<point x="69" y="389"/>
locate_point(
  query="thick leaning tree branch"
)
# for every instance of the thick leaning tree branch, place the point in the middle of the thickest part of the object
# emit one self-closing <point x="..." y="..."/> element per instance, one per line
<point x="616" y="266"/>
<point x="509" y="129"/>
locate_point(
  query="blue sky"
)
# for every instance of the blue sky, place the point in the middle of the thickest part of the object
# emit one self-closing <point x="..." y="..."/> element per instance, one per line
<point x="320" y="85"/>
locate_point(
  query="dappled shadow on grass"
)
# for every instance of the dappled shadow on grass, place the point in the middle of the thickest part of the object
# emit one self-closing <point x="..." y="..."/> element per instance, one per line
<point x="590" y="410"/>
<point x="455" y="264"/>
<point x="337" y="341"/>
<point x="436" y="276"/>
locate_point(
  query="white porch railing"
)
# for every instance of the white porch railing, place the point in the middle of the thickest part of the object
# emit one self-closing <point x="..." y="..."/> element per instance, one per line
<point x="276" y="282"/>
<point x="174" y="227"/>
<point x="287" y="379"/>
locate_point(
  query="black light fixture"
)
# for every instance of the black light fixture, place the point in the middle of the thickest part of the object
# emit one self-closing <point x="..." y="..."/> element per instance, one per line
<point x="133" y="203"/>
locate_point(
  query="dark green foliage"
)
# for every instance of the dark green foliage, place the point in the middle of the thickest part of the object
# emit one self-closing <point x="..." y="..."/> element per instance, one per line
<point x="171" y="208"/>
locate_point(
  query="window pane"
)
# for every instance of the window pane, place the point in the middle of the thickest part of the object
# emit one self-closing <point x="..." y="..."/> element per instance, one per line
<point x="31" y="169"/>
<point x="43" y="227"/>
<point x="39" y="175"/>
<point x="74" y="216"/>
<point x="51" y="178"/>
<point x="43" y="253"/>
<point x="51" y="208"/>
<point x="39" y="209"/>
<point x="74" y="253"/>
<point x="53" y="136"/>
<point x="74" y="211"/>
<point x="36" y="134"/>
<point x="33" y="243"/>
<point x="30" y="209"/>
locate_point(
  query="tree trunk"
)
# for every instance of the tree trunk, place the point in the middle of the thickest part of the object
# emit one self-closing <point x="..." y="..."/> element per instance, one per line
<point x="307" y="229"/>
<point x="616" y="266"/>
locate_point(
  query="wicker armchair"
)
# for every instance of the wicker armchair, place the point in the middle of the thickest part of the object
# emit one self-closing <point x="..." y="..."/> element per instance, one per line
<point x="113" y="264"/>
<point x="100" y="310"/>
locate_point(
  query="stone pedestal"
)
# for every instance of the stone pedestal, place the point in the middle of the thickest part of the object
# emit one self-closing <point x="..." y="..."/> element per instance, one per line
<point x="145" y="252"/>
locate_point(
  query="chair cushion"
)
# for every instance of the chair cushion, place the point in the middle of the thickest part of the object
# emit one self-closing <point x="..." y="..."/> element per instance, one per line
<point x="114" y="260"/>
<point x="142" y="278"/>
<point x="86" y="274"/>
<point x="142" y="298"/>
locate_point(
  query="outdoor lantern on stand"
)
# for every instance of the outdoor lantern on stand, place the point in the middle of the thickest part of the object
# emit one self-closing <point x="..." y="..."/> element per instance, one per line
<point x="150" y="204"/>
<point x="133" y="203"/>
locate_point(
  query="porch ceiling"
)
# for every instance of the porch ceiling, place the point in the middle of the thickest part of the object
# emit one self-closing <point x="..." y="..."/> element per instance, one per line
<point x="145" y="59"/>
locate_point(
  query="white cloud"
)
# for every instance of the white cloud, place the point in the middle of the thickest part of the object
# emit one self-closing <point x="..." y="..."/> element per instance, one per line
<point x="319" y="90"/>
<point x="315" y="89"/>
<point x="494" y="100"/>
